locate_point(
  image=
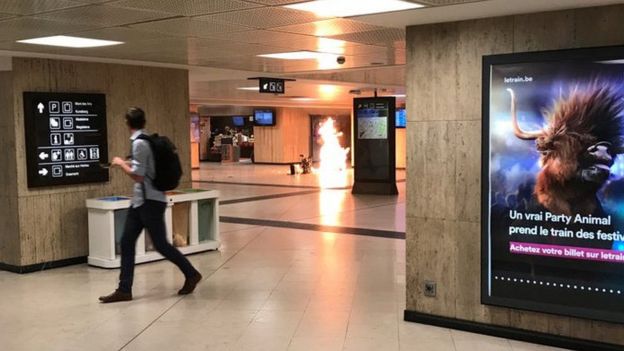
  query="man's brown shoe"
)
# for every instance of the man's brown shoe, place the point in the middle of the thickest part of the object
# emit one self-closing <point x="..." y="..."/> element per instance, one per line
<point x="190" y="284"/>
<point x="116" y="296"/>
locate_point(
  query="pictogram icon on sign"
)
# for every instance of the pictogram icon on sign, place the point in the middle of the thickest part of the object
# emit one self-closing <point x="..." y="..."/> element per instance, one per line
<point x="55" y="139"/>
<point x="57" y="171"/>
<point x="68" y="139"/>
<point x="70" y="155"/>
<point x="55" y="107"/>
<point x="82" y="154"/>
<point x="68" y="123"/>
<point x="55" y="123"/>
<point x="57" y="155"/>
<point x="94" y="153"/>
<point x="68" y="107"/>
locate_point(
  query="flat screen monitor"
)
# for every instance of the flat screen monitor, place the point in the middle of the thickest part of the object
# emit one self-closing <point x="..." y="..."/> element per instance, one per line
<point x="553" y="182"/>
<point x="265" y="117"/>
<point x="238" y="121"/>
<point x="401" y="118"/>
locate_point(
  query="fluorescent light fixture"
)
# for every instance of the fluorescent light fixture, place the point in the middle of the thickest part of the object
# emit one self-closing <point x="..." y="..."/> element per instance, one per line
<point x="300" y="55"/>
<point x="249" y="88"/>
<point x="348" y="8"/>
<point x="399" y="95"/>
<point x="70" y="42"/>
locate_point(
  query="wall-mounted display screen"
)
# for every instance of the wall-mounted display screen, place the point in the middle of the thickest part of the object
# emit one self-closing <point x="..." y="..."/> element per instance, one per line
<point x="66" y="138"/>
<point x="238" y="121"/>
<point x="264" y="118"/>
<point x="401" y="118"/>
<point x="553" y="182"/>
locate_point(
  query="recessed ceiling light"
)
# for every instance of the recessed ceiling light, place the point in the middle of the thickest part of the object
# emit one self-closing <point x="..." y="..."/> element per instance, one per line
<point x="300" y="55"/>
<point x="348" y="8"/>
<point x="249" y="88"/>
<point x="70" y="42"/>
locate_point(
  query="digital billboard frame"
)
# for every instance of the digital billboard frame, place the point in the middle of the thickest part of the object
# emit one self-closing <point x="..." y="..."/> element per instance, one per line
<point x="487" y="296"/>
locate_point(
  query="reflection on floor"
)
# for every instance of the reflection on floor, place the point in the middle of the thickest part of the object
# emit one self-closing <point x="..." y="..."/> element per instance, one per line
<point x="268" y="288"/>
<point x="267" y="175"/>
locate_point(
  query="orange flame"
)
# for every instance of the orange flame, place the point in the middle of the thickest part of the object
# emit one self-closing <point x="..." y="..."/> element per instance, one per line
<point x="333" y="156"/>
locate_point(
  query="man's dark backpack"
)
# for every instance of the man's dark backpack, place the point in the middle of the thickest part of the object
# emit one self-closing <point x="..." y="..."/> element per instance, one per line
<point x="167" y="162"/>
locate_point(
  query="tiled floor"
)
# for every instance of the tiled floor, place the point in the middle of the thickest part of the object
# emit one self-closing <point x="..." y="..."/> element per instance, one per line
<point x="267" y="174"/>
<point x="267" y="288"/>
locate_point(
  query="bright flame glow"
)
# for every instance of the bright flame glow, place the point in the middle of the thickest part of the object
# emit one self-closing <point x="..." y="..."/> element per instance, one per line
<point x="347" y="8"/>
<point x="70" y="42"/>
<point x="332" y="171"/>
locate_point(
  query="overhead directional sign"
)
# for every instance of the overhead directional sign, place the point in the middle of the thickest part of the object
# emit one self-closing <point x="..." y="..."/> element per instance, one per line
<point x="272" y="86"/>
<point x="66" y="138"/>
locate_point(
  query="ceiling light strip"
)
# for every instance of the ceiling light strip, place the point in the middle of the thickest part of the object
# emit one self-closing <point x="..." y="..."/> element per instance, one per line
<point x="70" y="42"/>
<point x="349" y="8"/>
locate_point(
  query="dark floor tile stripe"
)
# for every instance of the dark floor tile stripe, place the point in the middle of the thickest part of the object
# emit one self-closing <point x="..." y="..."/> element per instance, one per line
<point x="277" y="185"/>
<point x="258" y="184"/>
<point x="268" y="197"/>
<point x="314" y="227"/>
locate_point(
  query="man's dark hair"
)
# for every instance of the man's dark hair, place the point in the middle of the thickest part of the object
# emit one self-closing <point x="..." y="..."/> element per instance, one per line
<point x="135" y="118"/>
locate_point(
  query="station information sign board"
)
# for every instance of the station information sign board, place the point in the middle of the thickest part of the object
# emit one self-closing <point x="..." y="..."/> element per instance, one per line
<point x="375" y="149"/>
<point x="66" y="139"/>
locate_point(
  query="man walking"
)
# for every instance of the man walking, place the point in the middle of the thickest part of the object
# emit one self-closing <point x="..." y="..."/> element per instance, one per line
<point x="147" y="212"/>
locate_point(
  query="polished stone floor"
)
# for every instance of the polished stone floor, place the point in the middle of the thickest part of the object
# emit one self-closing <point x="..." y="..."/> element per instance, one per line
<point x="267" y="175"/>
<point x="267" y="288"/>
